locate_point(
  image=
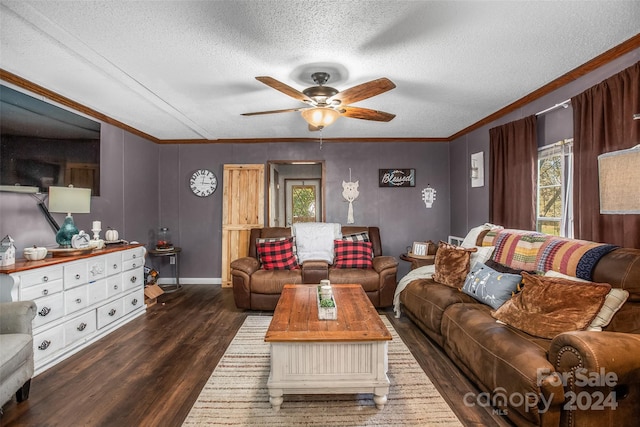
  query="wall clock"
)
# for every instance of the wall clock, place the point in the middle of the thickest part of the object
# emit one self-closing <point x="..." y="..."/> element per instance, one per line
<point x="203" y="183"/>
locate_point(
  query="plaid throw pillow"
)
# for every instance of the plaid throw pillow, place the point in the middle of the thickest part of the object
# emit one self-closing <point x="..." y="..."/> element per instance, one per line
<point x="352" y="254"/>
<point x="357" y="237"/>
<point x="277" y="255"/>
<point x="260" y="240"/>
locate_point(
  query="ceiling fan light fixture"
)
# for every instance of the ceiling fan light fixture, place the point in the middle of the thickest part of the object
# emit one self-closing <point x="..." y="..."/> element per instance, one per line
<point x="320" y="117"/>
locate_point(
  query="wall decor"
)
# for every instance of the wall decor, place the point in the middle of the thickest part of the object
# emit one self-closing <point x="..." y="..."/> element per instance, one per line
<point x="428" y="196"/>
<point x="477" y="169"/>
<point x="396" y="177"/>
<point x="350" y="193"/>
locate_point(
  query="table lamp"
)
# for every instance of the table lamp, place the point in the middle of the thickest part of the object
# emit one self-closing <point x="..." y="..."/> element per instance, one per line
<point x="68" y="200"/>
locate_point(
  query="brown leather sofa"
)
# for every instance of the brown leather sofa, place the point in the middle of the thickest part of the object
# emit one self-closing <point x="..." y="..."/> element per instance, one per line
<point x="257" y="289"/>
<point x="564" y="381"/>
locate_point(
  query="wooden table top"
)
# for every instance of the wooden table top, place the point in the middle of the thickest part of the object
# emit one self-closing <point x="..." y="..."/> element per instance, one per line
<point x="295" y="318"/>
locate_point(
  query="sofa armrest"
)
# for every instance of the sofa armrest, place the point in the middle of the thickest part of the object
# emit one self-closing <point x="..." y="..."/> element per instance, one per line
<point x="615" y="352"/>
<point x="314" y="270"/>
<point x="381" y="263"/>
<point x="600" y="373"/>
<point x="247" y="265"/>
<point x="16" y="317"/>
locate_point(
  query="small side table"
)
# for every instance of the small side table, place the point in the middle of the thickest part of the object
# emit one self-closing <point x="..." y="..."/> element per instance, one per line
<point x="173" y="253"/>
<point x="418" y="262"/>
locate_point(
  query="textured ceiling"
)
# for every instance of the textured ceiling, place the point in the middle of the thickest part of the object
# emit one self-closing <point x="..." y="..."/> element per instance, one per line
<point x="185" y="69"/>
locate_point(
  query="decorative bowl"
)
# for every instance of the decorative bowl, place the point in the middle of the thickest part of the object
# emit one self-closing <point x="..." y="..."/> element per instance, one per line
<point x="35" y="253"/>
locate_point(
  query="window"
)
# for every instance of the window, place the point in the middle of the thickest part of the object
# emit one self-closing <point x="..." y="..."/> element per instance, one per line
<point x="303" y="203"/>
<point x="555" y="207"/>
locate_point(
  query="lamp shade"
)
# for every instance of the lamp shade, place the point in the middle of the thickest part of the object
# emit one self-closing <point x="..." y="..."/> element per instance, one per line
<point x="320" y="117"/>
<point x="69" y="199"/>
<point x="619" y="181"/>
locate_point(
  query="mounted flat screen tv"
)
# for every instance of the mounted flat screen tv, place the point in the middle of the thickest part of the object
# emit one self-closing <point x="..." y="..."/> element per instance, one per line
<point x="43" y="145"/>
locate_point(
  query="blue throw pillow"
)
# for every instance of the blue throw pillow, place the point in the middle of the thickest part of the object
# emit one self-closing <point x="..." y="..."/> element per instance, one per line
<point x="490" y="286"/>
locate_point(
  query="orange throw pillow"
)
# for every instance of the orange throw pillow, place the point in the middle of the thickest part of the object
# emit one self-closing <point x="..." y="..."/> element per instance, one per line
<point x="452" y="264"/>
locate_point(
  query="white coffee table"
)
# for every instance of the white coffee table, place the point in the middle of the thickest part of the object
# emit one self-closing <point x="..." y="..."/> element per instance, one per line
<point x="311" y="356"/>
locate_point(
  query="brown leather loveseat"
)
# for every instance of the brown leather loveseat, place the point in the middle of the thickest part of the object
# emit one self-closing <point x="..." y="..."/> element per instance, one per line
<point x="258" y="289"/>
<point x="579" y="378"/>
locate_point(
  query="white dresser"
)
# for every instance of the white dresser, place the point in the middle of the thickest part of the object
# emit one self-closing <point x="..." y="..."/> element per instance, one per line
<point x="79" y="299"/>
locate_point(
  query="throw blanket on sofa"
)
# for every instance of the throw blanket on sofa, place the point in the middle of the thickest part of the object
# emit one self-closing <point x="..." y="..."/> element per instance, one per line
<point x="424" y="272"/>
<point x="314" y="240"/>
<point x="528" y="250"/>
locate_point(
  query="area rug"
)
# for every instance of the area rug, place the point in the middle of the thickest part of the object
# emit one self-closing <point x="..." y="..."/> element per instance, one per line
<point x="236" y="393"/>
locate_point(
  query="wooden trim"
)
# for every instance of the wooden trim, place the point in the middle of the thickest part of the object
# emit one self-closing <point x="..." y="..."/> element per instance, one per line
<point x="39" y="90"/>
<point x="310" y="140"/>
<point x="598" y="61"/>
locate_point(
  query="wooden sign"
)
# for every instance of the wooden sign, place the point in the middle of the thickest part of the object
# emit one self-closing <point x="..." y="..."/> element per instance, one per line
<point x="396" y="177"/>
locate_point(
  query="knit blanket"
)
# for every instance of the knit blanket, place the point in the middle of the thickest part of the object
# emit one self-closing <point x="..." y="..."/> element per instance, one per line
<point x="532" y="251"/>
<point x="314" y="240"/>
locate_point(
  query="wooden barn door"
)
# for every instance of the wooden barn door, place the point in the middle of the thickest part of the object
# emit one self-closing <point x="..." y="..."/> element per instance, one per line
<point x="242" y="210"/>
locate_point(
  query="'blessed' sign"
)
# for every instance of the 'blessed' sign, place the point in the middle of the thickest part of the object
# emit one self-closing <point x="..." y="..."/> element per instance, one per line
<point x="397" y="177"/>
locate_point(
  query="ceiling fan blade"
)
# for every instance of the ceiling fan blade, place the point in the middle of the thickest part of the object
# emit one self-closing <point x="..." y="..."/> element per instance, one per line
<point x="366" y="114"/>
<point x="288" y="110"/>
<point x="287" y="90"/>
<point x="363" y="91"/>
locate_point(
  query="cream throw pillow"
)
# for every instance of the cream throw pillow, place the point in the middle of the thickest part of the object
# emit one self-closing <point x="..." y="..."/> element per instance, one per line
<point x="612" y="303"/>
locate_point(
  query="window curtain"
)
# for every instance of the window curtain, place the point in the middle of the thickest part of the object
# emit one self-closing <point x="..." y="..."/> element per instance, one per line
<point x="513" y="155"/>
<point x="603" y="122"/>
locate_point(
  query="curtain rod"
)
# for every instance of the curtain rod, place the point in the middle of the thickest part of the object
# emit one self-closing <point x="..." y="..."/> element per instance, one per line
<point x="563" y="104"/>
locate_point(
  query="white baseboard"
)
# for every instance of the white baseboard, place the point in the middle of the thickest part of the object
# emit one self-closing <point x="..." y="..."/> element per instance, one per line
<point x="191" y="281"/>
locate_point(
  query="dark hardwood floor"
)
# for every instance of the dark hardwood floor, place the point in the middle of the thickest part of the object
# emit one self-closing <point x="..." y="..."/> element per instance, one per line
<point x="150" y="371"/>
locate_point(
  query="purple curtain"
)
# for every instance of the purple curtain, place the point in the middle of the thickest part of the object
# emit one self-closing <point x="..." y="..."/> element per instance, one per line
<point x="603" y="122"/>
<point x="513" y="156"/>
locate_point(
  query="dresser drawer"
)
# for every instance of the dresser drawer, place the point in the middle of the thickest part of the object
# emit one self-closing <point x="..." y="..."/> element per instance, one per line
<point x="75" y="275"/>
<point x="132" y="264"/>
<point x="133" y="278"/>
<point x="114" y="263"/>
<point x="114" y="285"/>
<point x="133" y="254"/>
<point x="110" y="313"/>
<point x="48" y="342"/>
<point x="41" y="290"/>
<point x="49" y="308"/>
<point x="43" y="275"/>
<point x="98" y="291"/>
<point x="80" y="327"/>
<point x="96" y="268"/>
<point x="134" y="301"/>
<point x="76" y="299"/>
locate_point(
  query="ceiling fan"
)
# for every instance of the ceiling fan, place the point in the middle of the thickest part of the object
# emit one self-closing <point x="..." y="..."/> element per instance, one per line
<point x="327" y="104"/>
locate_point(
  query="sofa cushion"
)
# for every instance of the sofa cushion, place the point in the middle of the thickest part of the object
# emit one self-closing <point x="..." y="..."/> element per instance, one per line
<point x="16" y="350"/>
<point x="452" y="264"/>
<point x="548" y="306"/>
<point x="612" y="302"/>
<point x="428" y="300"/>
<point x="368" y="278"/>
<point x="277" y="255"/>
<point x="501" y="360"/>
<point x="489" y="286"/>
<point x="272" y="281"/>
<point x="352" y="254"/>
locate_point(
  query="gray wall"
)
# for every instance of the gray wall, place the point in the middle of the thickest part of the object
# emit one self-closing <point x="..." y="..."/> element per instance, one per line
<point x="196" y="223"/>
<point x="470" y="206"/>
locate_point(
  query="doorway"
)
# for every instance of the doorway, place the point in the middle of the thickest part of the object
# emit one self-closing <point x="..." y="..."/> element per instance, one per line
<point x="296" y="192"/>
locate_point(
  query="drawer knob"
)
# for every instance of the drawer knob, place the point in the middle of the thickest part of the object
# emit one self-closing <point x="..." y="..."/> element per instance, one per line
<point x="81" y="327"/>
<point x="134" y="265"/>
<point x="115" y="266"/>
<point x="45" y="279"/>
<point x="112" y="312"/>
<point x="44" y="311"/>
<point x="44" y="345"/>
<point x="133" y="279"/>
<point x="78" y="300"/>
<point x="115" y="286"/>
<point x="134" y="256"/>
<point x="134" y="301"/>
<point x="45" y="292"/>
<point x="77" y="277"/>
